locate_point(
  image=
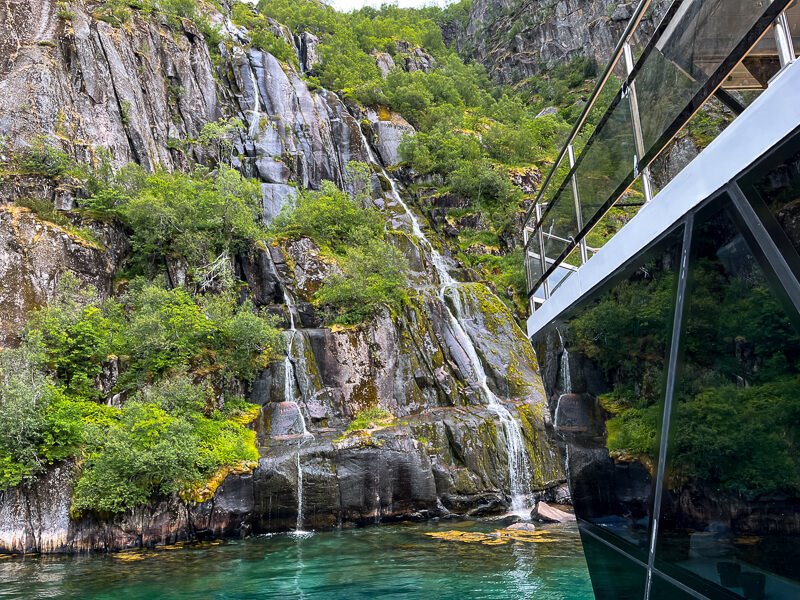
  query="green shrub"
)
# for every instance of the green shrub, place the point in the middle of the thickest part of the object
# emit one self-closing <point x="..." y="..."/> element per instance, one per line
<point x="369" y="418"/>
<point x="24" y="397"/>
<point x="169" y="331"/>
<point x="262" y="35"/>
<point x="148" y="453"/>
<point x="161" y="443"/>
<point x="373" y="271"/>
<point x="40" y="158"/>
<point x="331" y="217"/>
<point x="181" y="358"/>
<point x="38" y="423"/>
<point x="193" y="217"/>
<point x="635" y="431"/>
<point x="373" y="276"/>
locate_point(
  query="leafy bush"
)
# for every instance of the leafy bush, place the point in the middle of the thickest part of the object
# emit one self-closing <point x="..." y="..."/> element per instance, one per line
<point x="331" y="217"/>
<point x="166" y="331"/>
<point x="369" y="418"/>
<point x="40" y="158"/>
<point x="218" y="136"/>
<point x="195" y="218"/>
<point x="635" y="431"/>
<point x="373" y="271"/>
<point x="39" y="424"/>
<point x="161" y="443"/>
<point x="740" y="439"/>
<point x="73" y="337"/>
<point x="147" y="453"/>
<point x="176" y="429"/>
<point x="262" y="34"/>
<point x="158" y="330"/>
<point x="372" y="276"/>
<point x="25" y="395"/>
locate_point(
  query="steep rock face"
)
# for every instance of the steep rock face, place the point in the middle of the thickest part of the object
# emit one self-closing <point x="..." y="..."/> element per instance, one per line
<point x="137" y="89"/>
<point x="34" y="253"/>
<point x="519" y="38"/>
<point x="292" y="132"/>
<point x="130" y="90"/>
<point x="388" y="129"/>
<point x="36" y="518"/>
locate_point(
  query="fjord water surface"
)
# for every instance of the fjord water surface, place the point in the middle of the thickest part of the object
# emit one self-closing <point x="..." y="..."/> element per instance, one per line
<point x="403" y="561"/>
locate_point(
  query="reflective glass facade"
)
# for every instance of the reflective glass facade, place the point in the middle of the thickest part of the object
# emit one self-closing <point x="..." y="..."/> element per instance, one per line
<point x="675" y="388"/>
<point x="646" y="95"/>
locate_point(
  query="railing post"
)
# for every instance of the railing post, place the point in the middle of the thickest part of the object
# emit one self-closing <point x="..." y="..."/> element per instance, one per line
<point x="783" y="40"/>
<point x="577" y="198"/>
<point x="542" y="259"/>
<point x="637" y="125"/>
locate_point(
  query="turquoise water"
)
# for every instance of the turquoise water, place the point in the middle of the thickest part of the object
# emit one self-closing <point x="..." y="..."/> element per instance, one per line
<point x="388" y="561"/>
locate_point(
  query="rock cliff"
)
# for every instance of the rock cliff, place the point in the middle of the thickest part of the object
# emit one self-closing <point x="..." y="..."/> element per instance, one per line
<point x="516" y="39"/>
<point x="143" y="91"/>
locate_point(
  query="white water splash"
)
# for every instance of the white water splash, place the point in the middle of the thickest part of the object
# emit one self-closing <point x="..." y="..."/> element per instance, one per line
<point x="519" y="468"/>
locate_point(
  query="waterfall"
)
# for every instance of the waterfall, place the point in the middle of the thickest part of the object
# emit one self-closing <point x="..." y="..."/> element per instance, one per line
<point x="289" y="396"/>
<point x="566" y="376"/>
<point x="519" y="468"/>
<point x="255" y="114"/>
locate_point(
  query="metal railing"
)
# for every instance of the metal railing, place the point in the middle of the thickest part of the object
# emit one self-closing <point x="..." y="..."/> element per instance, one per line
<point x="691" y="51"/>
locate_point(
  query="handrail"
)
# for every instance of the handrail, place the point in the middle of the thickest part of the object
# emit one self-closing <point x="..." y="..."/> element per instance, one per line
<point x="635" y="19"/>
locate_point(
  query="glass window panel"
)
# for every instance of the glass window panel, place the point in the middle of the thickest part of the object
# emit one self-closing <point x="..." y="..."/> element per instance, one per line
<point x="661" y="589"/>
<point x="558" y="277"/>
<point x="604" y="370"/>
<point x="533" y="266"/>
<point x="701" y="36"/>
<point x="559" y="175"/>
<point x="608" y="159"/>
<point x="731" y="506"/>
<point x="560" y="224"/>
<point x="614" y="575"/>
<point x="778" y="187"/>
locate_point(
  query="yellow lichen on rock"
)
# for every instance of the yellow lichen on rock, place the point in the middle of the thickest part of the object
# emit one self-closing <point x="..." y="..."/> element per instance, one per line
<point x="495" y="538"/>
<point x="207" y="490"/>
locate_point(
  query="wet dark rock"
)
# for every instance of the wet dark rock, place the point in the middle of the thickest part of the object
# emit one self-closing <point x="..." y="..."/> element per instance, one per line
<point x="580" y="415"/>
<point x="258" y="270"/>
<point x="309" y="55"/>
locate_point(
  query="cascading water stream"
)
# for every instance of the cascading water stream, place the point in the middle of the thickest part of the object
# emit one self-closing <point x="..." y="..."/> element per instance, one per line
<point x="566" y="376"/>
<point x="519" y="468"/>
<point x="255" y="114"/>
<point x="566" y="379"/>
<point x="289" y="396"/>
